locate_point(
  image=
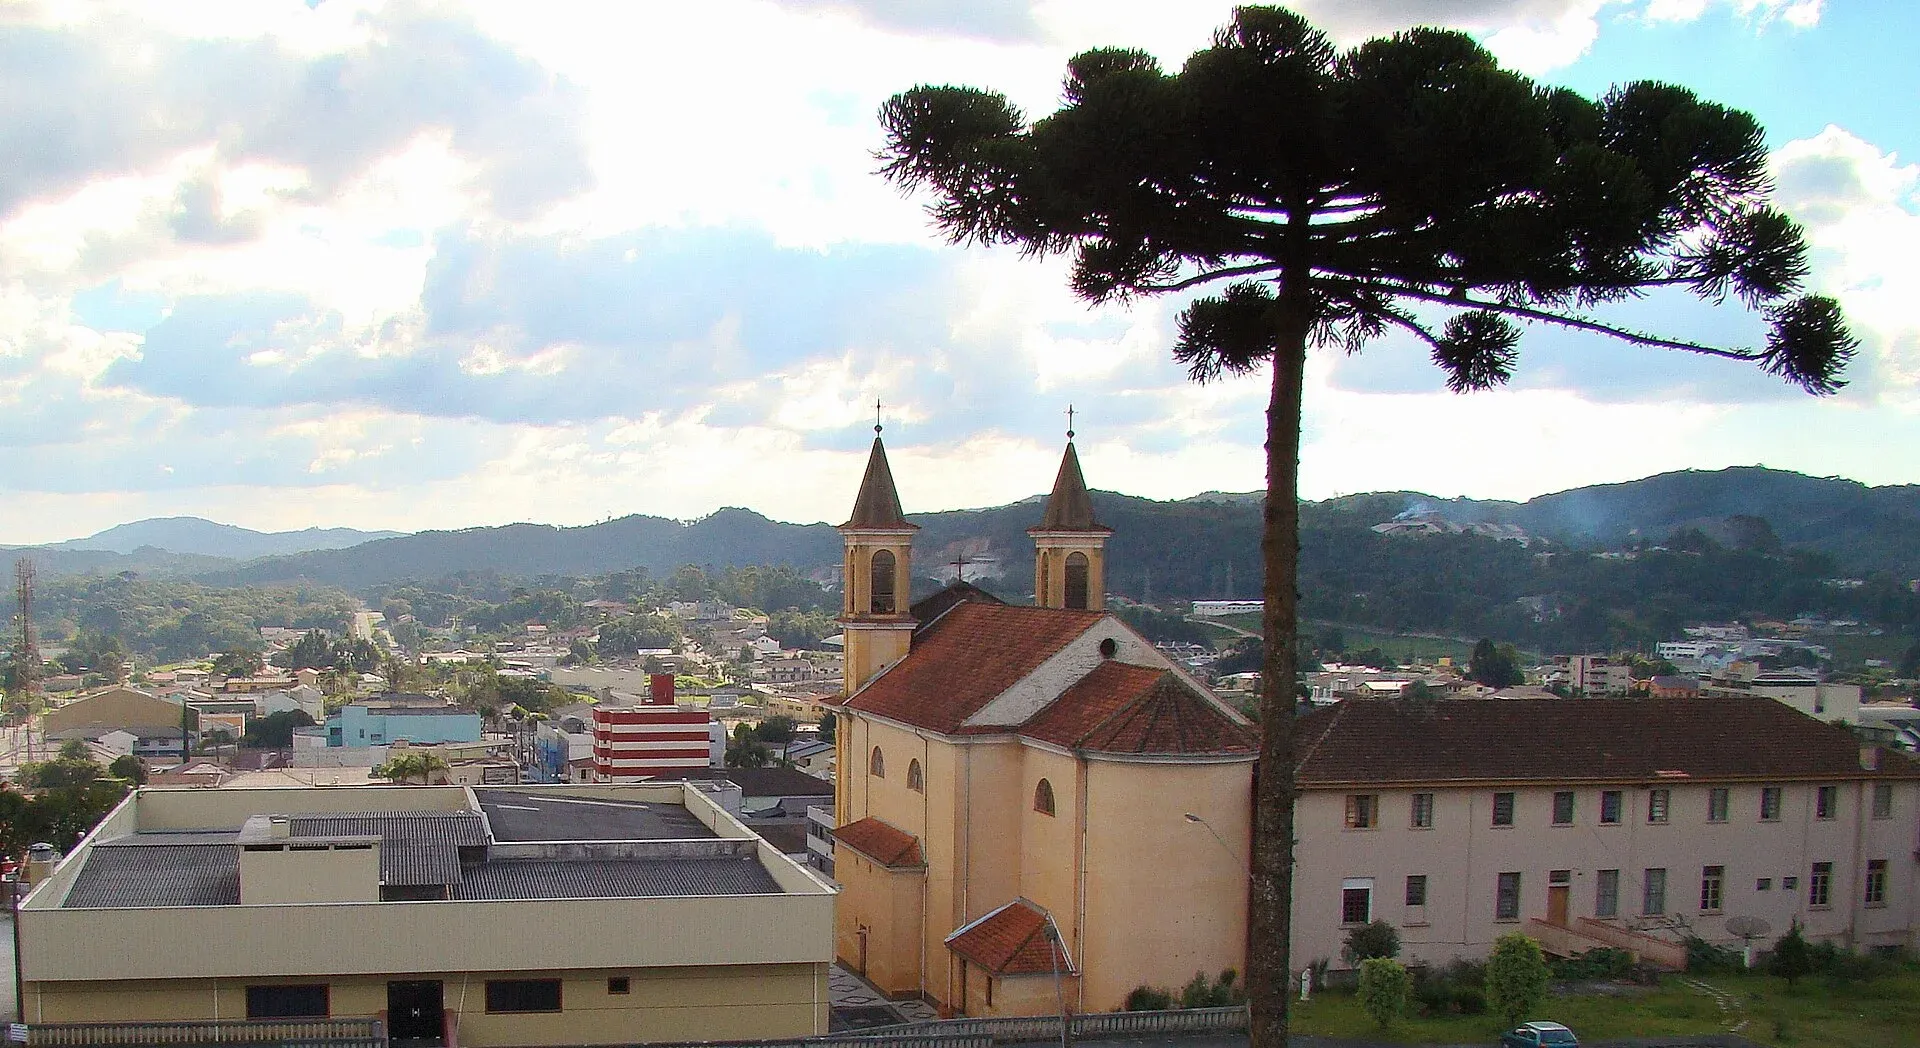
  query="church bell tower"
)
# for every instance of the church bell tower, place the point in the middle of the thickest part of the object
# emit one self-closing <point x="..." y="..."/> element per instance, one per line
<point x="1070" y="546"/>
<point x="878" y="572"/>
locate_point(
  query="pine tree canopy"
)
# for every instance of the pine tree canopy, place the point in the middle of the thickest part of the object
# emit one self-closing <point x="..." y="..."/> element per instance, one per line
<point x="1408" y="182"/>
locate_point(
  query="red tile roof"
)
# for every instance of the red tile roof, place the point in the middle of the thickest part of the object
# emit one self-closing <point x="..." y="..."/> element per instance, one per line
<point x="882" y="843"/>
<point x="965" y="659"/>
<point x="1612" y="740"/>
<point x="1118" y="708"/>
<point x="1011" y="940"/>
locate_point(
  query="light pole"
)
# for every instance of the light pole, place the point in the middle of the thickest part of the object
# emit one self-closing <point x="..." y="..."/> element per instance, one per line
<point x="1058" y="948"/>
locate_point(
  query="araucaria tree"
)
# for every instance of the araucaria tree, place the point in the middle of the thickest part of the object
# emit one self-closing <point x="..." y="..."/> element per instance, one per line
<point x="1321" y="198"/>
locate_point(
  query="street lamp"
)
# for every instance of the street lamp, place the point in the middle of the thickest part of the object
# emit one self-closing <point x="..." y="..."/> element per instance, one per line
<point x="1058" y="948"/>
<point x="1224" y="846"/>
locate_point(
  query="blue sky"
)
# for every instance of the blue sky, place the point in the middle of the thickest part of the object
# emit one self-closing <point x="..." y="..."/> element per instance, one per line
<point x="417" y="265"/>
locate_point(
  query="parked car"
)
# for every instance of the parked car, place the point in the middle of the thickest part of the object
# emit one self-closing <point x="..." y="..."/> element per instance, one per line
<point x="1539" y="1035"/>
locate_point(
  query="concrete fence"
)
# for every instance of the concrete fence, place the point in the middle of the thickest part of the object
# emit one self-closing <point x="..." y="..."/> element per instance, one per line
<point x="289" y="1033"/>
<point x="1094" y="1025"/>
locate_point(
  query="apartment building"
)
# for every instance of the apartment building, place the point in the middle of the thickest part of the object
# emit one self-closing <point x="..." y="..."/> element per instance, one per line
<point x="546" y="915"/>
<point x="1593" y="674"/>
<point x="651" y="737"/>
<point x="1617" y="822"/>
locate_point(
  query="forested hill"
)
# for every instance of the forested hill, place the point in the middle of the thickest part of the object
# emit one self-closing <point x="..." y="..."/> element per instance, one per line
<point x="1207" y="546"/>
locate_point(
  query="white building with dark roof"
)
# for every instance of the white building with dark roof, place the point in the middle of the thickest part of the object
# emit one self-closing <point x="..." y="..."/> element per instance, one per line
<point x="524" y="916"/>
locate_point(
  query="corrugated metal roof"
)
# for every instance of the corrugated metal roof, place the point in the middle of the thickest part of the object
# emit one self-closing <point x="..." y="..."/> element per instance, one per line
<point x="118" y="876"/>
<point x="458" y="828"/>
<point x="615" y="879"/>
<point x="410" y="864"/>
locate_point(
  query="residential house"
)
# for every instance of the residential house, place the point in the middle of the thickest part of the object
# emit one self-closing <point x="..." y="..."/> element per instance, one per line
<point x="1604" y="822"/>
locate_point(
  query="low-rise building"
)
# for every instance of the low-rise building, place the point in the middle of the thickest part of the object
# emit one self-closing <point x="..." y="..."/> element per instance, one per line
<point x="442" y="910"/>
<point x="400" y="718"/>
<point x="1604" y="822"/>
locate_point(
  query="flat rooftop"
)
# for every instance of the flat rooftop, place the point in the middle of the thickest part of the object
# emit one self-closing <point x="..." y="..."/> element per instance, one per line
<point x="522" y="844"/>
<point x="531" y="815"/>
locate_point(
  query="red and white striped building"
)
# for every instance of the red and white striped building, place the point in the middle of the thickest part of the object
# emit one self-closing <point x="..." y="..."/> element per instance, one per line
<point x="654" y="738"/>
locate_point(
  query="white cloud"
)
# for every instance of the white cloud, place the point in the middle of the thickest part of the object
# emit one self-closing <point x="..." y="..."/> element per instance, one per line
<point x="1862" y="217"/>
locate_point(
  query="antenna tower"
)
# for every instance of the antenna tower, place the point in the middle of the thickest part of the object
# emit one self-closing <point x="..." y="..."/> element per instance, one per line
<point x="26" y="658"/>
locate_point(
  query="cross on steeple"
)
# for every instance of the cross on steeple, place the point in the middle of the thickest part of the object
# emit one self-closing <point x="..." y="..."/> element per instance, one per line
<point x="1069" y="421"/>
<point x="876" y="414"/>
<point x="960" y="563"/>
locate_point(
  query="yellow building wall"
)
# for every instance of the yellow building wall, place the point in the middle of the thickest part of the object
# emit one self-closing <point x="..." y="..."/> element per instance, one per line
<point x="1165" y="898"/>
<point x="1050" y="564"/>
<point x="878" y="921"/>
<point x="669" y="1004"/>
<point x="1050" y="844"/>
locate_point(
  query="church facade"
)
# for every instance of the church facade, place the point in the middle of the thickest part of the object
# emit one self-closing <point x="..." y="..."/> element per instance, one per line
<point x="1035" y="808"/>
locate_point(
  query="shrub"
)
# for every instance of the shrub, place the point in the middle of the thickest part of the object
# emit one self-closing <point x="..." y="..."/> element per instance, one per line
<point x="1470" y="1000"/>
<point x="1517" y="977"/>
<point x="1602" y="962"/>
<point x="1149" y="999"/>
<point x="1368" y="941"/>
<point x="1198" y="993"/>
<point x="1704" y="958"/>
<point x="1792" y="957"/>
<point x="1384" y="987"/>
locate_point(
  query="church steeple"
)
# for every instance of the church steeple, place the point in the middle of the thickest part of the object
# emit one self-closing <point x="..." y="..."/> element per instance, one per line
<point x="1070" y="546"/>
<point x="878" y="574"/>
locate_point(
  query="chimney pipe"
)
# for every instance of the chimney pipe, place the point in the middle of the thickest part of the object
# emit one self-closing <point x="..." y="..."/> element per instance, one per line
<point x="1869" y="758"/>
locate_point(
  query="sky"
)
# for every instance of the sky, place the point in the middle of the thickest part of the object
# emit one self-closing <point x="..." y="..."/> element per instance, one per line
<point x="416" y="265"/>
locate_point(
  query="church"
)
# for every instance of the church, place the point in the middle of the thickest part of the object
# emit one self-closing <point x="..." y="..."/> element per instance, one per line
<point x="1035" y="809"/>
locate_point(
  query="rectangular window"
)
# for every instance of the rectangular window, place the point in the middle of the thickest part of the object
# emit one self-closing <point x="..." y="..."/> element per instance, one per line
<point x="523" y="995"/>
<point x="1503" y="809"/>
<point x="287" y="1002"/>
<point x="1711" y="879"/>
<point x="1606" y="893"/>
<point x="1769" y="804"/>
<point x="1788" y="884"/>
<point x="1417" y="890"/>
<point x="1563" y="808"/>
<point x="1610" y="807"/>
<point x="1718" y="802"/>
<point x="1362" y="809"/>
<point x="619" y="984"/>
<point x="1506" y="898"/>
<point x="1764" y="884"/>
<point x="1423" y="811"/>
<point x="1826" y="802"/>
<point x="1657" y="804"/>
<point x="1883" y="800"/>
<point x="1876" y="882"/>
<point x="1653" y="893"/>
<point x="1820" y="885"/>
<point x="1356" y="902"/>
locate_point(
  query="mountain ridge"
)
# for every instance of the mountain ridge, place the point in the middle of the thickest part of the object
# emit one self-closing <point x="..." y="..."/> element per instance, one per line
<point x="1213" y="536"/>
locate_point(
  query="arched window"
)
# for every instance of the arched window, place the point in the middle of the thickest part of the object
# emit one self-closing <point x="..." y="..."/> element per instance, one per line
<point x="1040" y="594"/>
<point x="916" y="781"/>
<point x="880" y="601"/>
<point x="1077" y="581"/>
<point x="877" y="764"/>
<point x="1043" y="798"/>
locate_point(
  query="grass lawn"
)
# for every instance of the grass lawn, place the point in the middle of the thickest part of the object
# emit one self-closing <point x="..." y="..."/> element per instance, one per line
<point x="1816" y="1014"/>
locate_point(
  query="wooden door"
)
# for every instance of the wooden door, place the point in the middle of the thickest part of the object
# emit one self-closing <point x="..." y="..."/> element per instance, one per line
<point x="861" y="967"/>
<point x="1557" y="904"/>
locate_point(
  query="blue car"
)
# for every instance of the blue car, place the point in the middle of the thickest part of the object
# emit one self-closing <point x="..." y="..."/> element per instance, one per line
<point x="1539" y="1035"/>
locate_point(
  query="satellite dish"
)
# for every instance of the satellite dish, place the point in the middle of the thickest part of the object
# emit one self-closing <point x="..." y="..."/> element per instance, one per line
<point x="1747" y="927"/>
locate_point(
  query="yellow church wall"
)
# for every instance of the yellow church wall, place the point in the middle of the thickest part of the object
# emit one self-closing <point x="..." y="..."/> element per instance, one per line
<point x="877" y="922"/>
<point x="1165" y="898"/>
<point x="1049" y="844"/>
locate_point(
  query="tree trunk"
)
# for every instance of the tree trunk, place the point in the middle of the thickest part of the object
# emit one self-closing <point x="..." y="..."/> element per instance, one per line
<point x="1270" y="888"/>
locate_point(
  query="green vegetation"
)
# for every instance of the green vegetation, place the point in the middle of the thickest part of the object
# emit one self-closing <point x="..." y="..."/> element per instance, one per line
<point x="1220" y="991"/>
<point x="1384" y="990"/>
<point x="1517" y="977"/>
<point x="71" y="794"/>
<point x="417" y="768"/>
<point x="1371" y="941"/>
